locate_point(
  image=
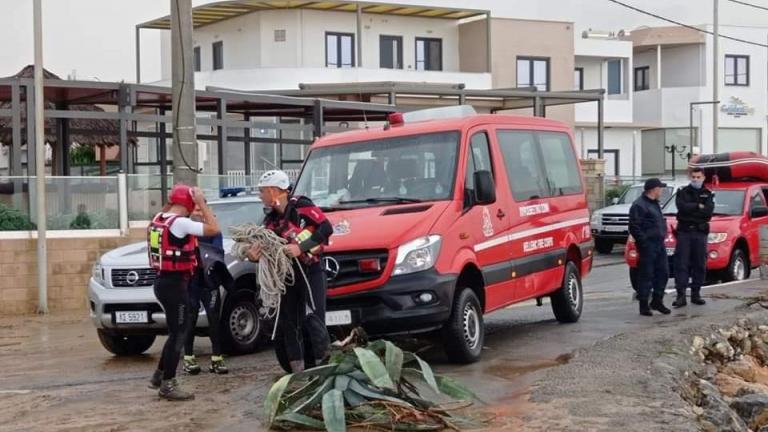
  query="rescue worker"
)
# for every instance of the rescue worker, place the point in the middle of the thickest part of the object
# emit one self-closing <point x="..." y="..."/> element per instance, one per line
<point x="695" y="204"/>
<point x="649" y="228"/>
<point x="172" y="239"/>
<point x="297" y="219"/>
<point x="204" y="288"/>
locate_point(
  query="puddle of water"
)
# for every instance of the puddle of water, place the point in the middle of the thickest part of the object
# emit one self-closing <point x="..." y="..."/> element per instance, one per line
<point x="509" y="369"/>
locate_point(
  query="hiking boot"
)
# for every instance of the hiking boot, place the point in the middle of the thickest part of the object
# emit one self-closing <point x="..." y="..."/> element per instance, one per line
<point x="658" y="305"/>
<point x="218" y="366"/>
<point x="156" y="380"/>
<point x="190" y="365"/>
<point x="680" y="301"/>
<point x="696" y="299"/>
<point x="644" y="309"/>
<point x="170" y="390"/>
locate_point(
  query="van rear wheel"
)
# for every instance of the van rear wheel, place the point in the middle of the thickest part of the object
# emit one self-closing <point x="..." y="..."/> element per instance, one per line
<point x="568" y="301"/>
<point x="464" y="333"/>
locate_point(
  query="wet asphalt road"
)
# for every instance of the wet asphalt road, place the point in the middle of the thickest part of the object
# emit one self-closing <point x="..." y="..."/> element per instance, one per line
<point x="56" y="376"/>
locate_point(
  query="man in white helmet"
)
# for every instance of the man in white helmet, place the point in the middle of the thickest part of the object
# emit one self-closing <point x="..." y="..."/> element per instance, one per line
<point x="297" y="219"/>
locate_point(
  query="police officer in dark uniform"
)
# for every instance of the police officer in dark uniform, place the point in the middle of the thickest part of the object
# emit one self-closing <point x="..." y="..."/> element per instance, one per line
<point x="648" y="227"/>
<point x="695" y="204"/>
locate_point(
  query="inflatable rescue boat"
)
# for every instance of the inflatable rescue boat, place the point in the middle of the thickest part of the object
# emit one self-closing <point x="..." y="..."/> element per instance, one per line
<point x="732" y="166"/>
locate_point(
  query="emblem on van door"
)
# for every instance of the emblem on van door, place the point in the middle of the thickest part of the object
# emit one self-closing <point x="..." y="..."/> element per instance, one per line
<point x="487" y="224"/>
<point x="132" y="277"/>
<point x="331" y="267"/>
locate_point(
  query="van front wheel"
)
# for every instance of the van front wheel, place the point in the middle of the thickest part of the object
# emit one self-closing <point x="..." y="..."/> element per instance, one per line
<point x="464" y="333"/>
<point x="568" y="301"/>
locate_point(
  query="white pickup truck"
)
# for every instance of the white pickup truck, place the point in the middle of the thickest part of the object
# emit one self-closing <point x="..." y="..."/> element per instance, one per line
<point x="127" y="315"/>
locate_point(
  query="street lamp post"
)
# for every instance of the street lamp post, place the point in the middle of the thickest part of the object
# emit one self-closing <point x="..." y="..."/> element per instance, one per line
<point x="674" y="149"/>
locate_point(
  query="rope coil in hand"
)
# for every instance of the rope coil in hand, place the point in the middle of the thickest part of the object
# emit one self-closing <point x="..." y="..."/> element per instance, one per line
<point x="275" y="266"/>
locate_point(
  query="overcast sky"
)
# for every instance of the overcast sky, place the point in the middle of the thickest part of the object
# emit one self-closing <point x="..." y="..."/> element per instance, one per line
<point x="95" y="38"/>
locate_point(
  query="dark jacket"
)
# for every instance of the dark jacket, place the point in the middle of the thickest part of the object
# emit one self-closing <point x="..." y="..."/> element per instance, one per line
<point x="694" y="209"/>
<point x="302" y="213"/>
<point x="212" y="270"/>
<point x="646" y="222"/>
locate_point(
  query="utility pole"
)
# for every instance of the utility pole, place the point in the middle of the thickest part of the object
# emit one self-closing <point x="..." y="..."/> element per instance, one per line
<point x="42" y="252"/>
<point x="183" y="86"/>
<point x="715" y="76"/>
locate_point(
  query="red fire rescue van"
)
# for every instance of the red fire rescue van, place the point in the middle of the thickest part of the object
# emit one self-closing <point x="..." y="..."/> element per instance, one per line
<point x="438" y="222"/>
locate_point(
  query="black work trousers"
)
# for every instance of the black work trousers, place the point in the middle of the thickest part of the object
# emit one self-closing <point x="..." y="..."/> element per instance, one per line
<point x="297" y="315"/>
<point x="171" y="290"/>
<point x="690" y="261"/>
<point x="199" y="291"/>
<point x="652" y="270"/>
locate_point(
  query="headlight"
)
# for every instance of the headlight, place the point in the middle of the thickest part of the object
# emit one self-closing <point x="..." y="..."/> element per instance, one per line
<point x="595" y="221"/>
<point x="97" y="273"/>
<point x="714" y="238"/>
<point x="417" y="255"/>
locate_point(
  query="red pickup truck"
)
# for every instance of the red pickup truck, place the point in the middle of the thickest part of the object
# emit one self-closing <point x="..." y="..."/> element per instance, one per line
<point x="734" y="238"/>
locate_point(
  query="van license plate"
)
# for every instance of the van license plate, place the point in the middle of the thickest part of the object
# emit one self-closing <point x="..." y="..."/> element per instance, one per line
<point x="131" y="317"/>
<point x="336" y="318"/>
<point x="670" y="251"/>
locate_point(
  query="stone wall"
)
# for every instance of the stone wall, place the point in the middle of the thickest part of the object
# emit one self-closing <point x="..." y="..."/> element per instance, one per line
<point x="70" y="261"/>
<point x="594" y="176"/>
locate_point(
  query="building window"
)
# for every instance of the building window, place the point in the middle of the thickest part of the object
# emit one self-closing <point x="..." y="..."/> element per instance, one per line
<point x="429" y="54"/>
<point x="611" y="157"/>
<point x="642" y="78"/>
<point x="614" y="77"/>
<point x="197" y="60"/>
<point x="578" y="78"/>
<point x="738" y="139"/>
<point x="533" y="72"/>
<point x="391" y="52"/>
<point x="339" y="50"/>
<point x="280" y="35"/>
<point x="737" y="70"/>
<point x="218" y="55"/>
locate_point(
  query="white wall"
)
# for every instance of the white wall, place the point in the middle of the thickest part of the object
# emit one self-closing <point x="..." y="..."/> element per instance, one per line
<point x="614" y="139"/>
<point x="682" y="66"/>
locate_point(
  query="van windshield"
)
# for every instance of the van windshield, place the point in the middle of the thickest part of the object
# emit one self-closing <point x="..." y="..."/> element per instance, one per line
<point x="405" y="169"/>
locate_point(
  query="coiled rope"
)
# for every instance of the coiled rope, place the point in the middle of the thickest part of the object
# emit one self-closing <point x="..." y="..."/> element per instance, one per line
<point x="275" y="266"/>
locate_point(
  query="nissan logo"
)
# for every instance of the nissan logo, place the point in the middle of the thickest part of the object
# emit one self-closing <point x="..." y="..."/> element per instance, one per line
<point x="331" y="267"/>
<point x="132" y="277"/>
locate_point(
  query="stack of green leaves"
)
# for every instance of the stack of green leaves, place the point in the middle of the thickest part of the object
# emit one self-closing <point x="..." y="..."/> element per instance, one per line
<point x="376" y="387"/>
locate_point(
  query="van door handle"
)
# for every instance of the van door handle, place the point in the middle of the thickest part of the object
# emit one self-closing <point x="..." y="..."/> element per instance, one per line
<point x="500" y="214"/>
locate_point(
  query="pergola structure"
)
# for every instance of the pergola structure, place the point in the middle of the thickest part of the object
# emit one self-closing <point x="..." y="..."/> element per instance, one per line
<point x="126" y="105"/>
<point x="412" y="95"/>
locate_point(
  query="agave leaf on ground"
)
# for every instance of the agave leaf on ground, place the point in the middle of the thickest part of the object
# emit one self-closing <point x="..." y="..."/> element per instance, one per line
<point x="374" y="368"/>
<point x="333" y="411"/>
<point x="315" y="398"/>
<point x="292" y="418"/>
<point x="393" y="358"/>
<point x="273" y="399"/>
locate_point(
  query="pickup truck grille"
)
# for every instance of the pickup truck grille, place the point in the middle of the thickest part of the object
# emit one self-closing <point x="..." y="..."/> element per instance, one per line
<point x="348" y="267"/>
<point x="129" y="278"/>
<point x="615" y="219"/>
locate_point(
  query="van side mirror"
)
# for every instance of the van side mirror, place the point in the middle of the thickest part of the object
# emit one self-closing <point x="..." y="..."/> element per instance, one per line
<point x="758" y="212"/>
<point x="615" y="200"/>
<point x="485" y="188"/>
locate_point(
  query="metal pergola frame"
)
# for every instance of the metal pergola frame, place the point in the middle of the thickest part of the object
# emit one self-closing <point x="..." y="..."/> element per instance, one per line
<point x="405" y="95"/>
<point x="134" y="103"/>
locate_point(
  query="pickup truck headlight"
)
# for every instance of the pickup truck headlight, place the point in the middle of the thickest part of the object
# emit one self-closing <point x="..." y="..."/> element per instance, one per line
<point x="417" y="255"/>
<point x="98" y="273"/>
<point x="595" y="221"/>
<point x="714" y="238"/>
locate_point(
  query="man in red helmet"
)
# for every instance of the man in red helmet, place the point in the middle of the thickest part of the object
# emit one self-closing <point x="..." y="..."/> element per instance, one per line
<point x="302" y="307"/>
<point x="172" y="240"/>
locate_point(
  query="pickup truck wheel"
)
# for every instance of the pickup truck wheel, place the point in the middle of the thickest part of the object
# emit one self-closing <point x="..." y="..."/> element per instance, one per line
<point x="568" y="301"/>
<point x="241" y="325"/>
<point x="604" y="246"/>
<point x="125" y="345"/>
<point x="464" y="333"/>
<point x="738" y="267"/>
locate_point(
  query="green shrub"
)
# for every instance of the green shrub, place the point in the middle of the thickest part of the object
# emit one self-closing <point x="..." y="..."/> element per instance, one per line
<point x="12" y="219"/>
<point x="615" y="192"/>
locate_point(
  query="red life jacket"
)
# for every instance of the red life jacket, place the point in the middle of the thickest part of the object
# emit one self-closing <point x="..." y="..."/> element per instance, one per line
<point x="287" y="229"/>
<point x="167" y="252"/>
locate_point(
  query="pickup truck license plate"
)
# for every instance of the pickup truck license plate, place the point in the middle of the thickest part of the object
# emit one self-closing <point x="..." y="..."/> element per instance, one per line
<point x="131" y="317"/>
<point x="670" y="251"/>
<point x="614" y="228"/>
<point x="336" y="318"/>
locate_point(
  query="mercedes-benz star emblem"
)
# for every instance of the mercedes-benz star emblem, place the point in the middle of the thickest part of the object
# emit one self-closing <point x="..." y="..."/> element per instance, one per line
<point x="331" y="267"/>
<point x="132" y="277"/>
